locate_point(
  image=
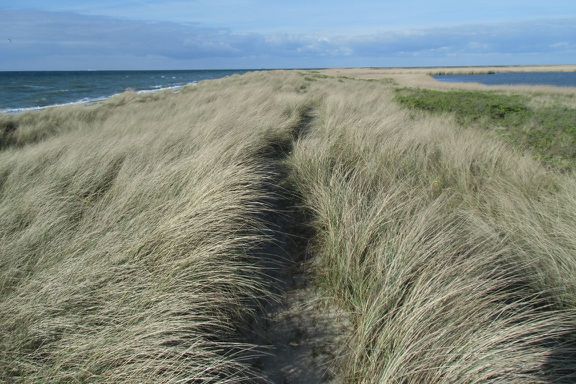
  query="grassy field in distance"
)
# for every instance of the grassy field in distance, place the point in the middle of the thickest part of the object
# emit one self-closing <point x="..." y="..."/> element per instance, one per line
<point x="549" y="131"/>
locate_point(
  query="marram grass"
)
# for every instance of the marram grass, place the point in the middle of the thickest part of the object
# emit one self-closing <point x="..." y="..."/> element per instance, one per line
<point x="454" y="255"/>
<point x="129" y="235"/>
<point x="132" y="235"/>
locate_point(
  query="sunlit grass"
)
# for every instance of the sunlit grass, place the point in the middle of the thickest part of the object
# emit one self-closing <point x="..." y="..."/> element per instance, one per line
<point x="133" y="233"/>
<point x="449" y="250"/>
<point x="130" y="232"/>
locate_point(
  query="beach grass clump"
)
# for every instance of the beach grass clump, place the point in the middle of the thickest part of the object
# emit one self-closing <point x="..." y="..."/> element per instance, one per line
<point x="132" y="234"/>
<point x="7" y="129"/>
<point x="443" y="244"/>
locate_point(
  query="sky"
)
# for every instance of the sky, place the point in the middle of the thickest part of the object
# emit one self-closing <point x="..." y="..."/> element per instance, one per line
<point x="230" y="34"/>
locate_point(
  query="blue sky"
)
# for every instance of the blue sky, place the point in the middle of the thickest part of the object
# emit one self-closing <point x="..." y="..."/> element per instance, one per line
<point x="176" y="34"/>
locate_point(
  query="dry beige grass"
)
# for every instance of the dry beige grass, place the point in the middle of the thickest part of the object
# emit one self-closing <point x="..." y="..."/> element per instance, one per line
<point x="450" y="251"/>
<point x="132" y="233"/>
<point x="129" y="233"/>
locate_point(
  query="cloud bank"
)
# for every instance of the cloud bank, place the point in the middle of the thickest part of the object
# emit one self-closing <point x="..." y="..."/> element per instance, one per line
<point x="52" y="40"/>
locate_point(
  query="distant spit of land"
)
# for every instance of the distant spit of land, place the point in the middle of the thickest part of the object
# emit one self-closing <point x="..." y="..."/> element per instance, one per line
<point x="423" y="77"/>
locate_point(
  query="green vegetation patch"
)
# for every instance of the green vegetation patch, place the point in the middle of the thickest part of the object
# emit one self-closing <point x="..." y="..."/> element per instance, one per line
<point x="469" y="106"/>
<point x="548" y="132"/>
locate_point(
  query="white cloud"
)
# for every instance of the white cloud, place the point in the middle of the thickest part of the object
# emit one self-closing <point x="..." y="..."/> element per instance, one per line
<point x="38" y="35"/>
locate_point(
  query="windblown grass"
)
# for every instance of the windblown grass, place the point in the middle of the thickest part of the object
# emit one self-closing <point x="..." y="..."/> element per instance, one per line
<point x="449" y="250"/>
<point x="134" y="235"/>
<point x="130" y="233"/>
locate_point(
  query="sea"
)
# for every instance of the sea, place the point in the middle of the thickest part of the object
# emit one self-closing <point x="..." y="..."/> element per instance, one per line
<point x="24" y="91"/>
<point x="559" y="79"/>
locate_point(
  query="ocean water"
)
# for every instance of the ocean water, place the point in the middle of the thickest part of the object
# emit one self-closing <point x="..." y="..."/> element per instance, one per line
<point x="21" y="91"/>
<point x="559" y="79"/>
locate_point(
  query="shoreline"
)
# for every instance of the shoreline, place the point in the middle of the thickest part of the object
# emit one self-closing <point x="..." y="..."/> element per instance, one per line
<point x="91" y="101"/>
<point x="98" y="99"/>
<point x="472" y="70"/>
<point x="424" y="77"/>
<point x="408" y="77"/>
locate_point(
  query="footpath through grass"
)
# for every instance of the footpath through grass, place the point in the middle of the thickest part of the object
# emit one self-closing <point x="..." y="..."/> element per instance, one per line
<point x="549" y="132"/>
<point x="141" y="237"/>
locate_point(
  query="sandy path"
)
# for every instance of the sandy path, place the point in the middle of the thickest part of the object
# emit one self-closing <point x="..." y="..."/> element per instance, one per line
<point x="304" y="334"/>
<point x="301" y="332"/>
